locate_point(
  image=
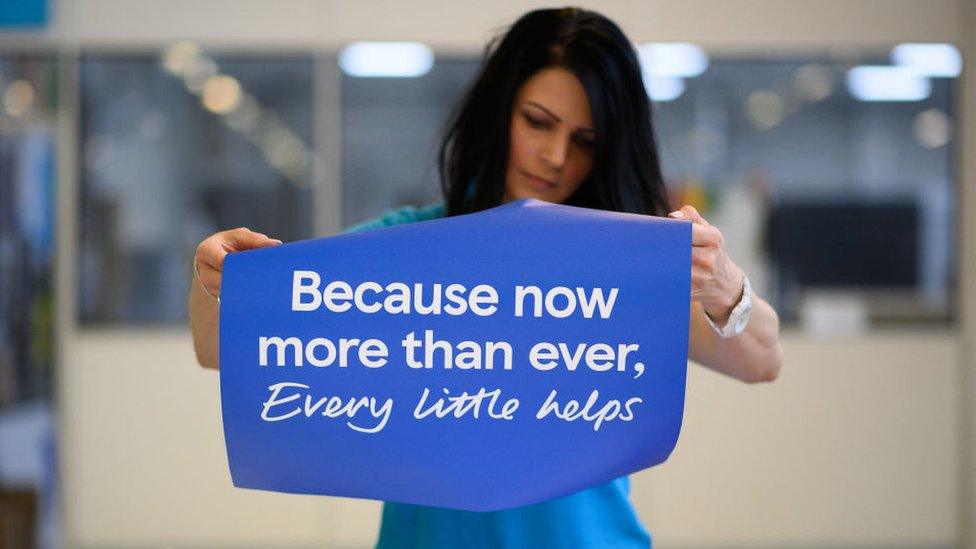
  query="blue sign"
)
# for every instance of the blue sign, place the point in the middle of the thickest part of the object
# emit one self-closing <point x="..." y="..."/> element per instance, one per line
<point x="23" y="13"/>
<point x="476" y="362"/>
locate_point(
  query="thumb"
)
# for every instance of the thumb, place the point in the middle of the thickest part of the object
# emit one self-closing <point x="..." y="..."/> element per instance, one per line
<point x="245" y="239"/>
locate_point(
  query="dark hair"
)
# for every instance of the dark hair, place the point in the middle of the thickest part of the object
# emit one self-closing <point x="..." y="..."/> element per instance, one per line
<point x="626" y="174"/>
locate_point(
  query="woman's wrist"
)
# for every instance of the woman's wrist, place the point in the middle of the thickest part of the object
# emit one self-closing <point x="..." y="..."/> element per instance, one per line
<point x="720" y="310"/>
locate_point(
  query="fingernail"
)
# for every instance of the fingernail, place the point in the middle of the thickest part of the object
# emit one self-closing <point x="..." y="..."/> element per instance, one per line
<point x="678" y="214"/>
<point x="276" y="240"/>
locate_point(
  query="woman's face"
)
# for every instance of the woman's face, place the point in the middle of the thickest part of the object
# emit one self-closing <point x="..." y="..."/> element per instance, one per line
<point x="551" y="138"/>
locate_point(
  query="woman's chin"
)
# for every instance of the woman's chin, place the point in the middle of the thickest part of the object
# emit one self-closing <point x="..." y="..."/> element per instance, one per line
<point x="520" y="193"/>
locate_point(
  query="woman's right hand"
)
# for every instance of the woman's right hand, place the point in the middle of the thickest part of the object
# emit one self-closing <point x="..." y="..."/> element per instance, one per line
<point x="212" y="251"/>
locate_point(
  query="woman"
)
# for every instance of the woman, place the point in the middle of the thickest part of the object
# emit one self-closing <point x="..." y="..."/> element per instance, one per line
<point x="576" y="130"/>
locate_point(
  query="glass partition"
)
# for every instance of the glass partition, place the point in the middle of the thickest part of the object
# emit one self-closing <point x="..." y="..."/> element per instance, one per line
<point x="28" y="112"/>
<point x="824" y="198"/>
<point x="175" y="147"/>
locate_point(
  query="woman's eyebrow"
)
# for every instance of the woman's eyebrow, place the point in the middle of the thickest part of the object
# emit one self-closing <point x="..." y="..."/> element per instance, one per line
<point x="552" y="114"/>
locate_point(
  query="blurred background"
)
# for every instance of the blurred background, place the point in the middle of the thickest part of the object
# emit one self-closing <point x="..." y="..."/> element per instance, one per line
<point x="827" y="139"/>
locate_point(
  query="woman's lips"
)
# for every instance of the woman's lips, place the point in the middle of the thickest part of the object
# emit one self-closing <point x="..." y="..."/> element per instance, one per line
<point x="540" y="182"/>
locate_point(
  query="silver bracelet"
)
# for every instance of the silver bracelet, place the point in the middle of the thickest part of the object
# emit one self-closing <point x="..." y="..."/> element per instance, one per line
<point x="196" y="272"/>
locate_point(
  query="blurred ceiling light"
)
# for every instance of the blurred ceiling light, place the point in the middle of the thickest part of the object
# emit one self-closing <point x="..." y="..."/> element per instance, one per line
<point x="246" y="116"/>
<point x="672" y="59"/>
<point x="663" y="88"/>
<point x="285" y="151"/>
<point x="884" y="83"/>
<point x="386" y="59"/>
<point x="221" y="94"/>
<point x="932" y="128"/>
<point x="266" y="128"/>
<point x="198" y="72"/>
<point x="813" y="82"/>
<point x="280" y="139"/>
<point x="940" y="60"/>
<point x="764" y="109"/>
<point x="178" y="56"/>
<point x="19" y="98"/>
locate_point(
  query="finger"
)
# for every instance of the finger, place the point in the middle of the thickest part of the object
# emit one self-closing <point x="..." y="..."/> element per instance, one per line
<point x="263" y="241"/>
<point x="268" y="242"/>
<point x="690" y="213"/>
<point x="702" y="235"/>
<point x="212" y="251"/>
<point x="210" y="255"/>
<point x="244" y="239"/>
<point x="211" y="281"/>
<point x="704" y="262"/>
<point x="206" y="274"/>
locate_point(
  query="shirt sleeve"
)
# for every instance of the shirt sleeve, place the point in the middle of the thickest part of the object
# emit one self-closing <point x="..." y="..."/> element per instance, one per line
<point x="397" y="216"/>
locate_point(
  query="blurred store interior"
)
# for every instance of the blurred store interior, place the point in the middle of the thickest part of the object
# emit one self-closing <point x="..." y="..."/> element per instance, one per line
<point x="827" y="140"/>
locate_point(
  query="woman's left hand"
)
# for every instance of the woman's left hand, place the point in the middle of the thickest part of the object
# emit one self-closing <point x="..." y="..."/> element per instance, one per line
<point x="716" y="282"/>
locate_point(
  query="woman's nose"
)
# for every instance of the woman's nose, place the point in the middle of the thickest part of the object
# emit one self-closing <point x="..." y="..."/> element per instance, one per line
<point x="555" y="151"/>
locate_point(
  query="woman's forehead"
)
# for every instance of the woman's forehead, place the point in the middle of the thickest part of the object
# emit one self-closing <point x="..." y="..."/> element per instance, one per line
<point x="559" y="92"/>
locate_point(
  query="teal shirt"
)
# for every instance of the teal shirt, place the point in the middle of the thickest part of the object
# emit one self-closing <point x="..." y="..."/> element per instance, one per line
<point x="597" y="517"/>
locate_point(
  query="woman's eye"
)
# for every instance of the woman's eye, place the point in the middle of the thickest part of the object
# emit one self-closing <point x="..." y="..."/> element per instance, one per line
<point x="585" y="143"/>
<point x="535" y="122"/>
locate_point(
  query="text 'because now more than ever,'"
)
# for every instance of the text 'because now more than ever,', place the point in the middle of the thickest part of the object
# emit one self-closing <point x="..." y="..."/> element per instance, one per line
<point x="339" y="296"/>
